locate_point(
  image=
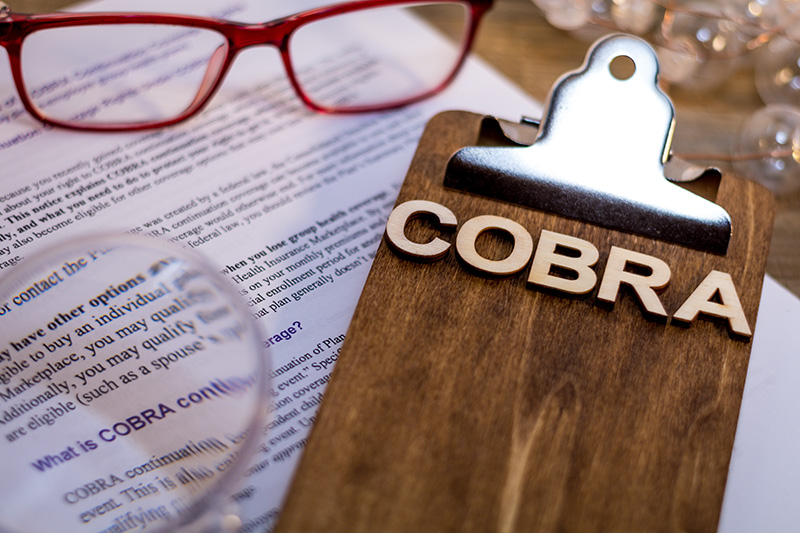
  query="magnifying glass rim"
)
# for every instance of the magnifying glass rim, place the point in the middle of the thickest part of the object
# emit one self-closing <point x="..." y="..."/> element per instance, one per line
<point x="107" y="241"/>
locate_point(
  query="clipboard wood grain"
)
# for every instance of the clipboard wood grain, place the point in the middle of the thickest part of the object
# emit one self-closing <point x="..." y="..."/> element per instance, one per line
<point x="465" y="403"/>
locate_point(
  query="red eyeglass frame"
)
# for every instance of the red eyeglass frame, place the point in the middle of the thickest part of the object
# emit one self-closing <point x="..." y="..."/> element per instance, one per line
<point x="14" y="28"/>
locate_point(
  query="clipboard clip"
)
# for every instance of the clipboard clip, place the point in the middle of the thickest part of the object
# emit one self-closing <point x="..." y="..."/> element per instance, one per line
<point x="599" y="156"/>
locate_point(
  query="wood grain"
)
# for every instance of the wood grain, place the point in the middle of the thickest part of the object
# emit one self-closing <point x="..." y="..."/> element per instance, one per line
<point x="467" y="403"/>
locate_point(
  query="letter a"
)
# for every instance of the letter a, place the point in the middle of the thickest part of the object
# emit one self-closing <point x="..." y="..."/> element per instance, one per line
<point x="730" y="308"/>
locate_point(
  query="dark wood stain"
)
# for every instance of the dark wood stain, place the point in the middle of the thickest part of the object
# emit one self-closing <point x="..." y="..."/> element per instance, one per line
<point x="462" y="403"/>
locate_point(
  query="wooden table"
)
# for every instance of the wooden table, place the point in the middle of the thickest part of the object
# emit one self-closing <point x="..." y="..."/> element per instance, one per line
<point x="519" y="42"/>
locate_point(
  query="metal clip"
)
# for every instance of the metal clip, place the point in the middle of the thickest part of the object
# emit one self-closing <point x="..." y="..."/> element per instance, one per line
<point x="599" y="156"/>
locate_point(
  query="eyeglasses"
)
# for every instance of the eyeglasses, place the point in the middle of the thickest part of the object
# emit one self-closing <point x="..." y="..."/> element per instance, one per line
<point x="135" y="71"/>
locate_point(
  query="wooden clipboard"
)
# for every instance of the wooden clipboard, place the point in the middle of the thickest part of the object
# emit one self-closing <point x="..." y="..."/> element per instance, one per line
<point x="471" y="402"/>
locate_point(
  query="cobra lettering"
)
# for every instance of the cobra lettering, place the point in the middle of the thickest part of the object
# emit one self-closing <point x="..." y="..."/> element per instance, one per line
<point x="715" y="296"/>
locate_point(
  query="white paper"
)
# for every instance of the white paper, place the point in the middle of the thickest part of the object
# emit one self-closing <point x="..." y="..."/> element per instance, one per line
<point x="289" y="204"/>
<point x="764" y="476"/>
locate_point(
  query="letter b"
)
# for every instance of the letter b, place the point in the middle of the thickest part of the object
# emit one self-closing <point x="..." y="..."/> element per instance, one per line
<point x="135" y="422"/>
<point x="579" y="261"/>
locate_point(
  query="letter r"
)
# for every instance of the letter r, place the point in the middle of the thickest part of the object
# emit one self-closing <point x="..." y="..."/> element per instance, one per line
<point x="644" y="286"/>
<point x="546" y="257"/>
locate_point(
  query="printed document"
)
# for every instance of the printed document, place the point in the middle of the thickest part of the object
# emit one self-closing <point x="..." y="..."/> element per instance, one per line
<point x="289" y="204"/>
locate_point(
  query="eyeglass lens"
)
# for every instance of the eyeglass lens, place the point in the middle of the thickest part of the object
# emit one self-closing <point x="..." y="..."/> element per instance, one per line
<point x="370" y="64"/>
<point x="145" y="73"/>
<point x="107" y="74"/>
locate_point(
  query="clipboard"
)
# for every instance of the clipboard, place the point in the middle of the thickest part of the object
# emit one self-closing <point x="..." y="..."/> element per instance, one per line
<point x="475" y="394"/>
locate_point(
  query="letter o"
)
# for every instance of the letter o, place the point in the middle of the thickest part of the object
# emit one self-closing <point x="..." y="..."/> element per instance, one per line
<point x="119" y="427"/>
<point x="396" y="226"/>
<point x="517" y="259"/>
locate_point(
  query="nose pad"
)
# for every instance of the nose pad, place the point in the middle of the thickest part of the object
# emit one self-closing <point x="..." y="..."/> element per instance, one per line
<point x="215" y="64"/>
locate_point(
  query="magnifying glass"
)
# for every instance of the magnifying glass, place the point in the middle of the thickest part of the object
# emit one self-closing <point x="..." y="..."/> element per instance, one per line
<point x="133" y="388"/>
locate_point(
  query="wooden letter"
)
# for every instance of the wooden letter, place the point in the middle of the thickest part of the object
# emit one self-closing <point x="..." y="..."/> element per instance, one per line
<point x="516" y="261"/>
<point x="730" y="308"/>
<point x="546" y="257"/>
<point x="644" y="286"/>
<point x="396" y="226"/>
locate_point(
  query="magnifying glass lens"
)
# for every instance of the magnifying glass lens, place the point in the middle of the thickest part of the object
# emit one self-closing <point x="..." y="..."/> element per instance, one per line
<point x="132" y="388"/>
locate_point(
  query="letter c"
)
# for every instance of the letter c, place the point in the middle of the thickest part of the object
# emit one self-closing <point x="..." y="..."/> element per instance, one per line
<point x="396" y="226"/>
<point x="106" y="431"/>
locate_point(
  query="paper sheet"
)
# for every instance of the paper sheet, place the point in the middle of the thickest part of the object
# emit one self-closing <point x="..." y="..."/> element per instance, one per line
<point x="290" y="205"/>
<point x="764" y="476"/>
